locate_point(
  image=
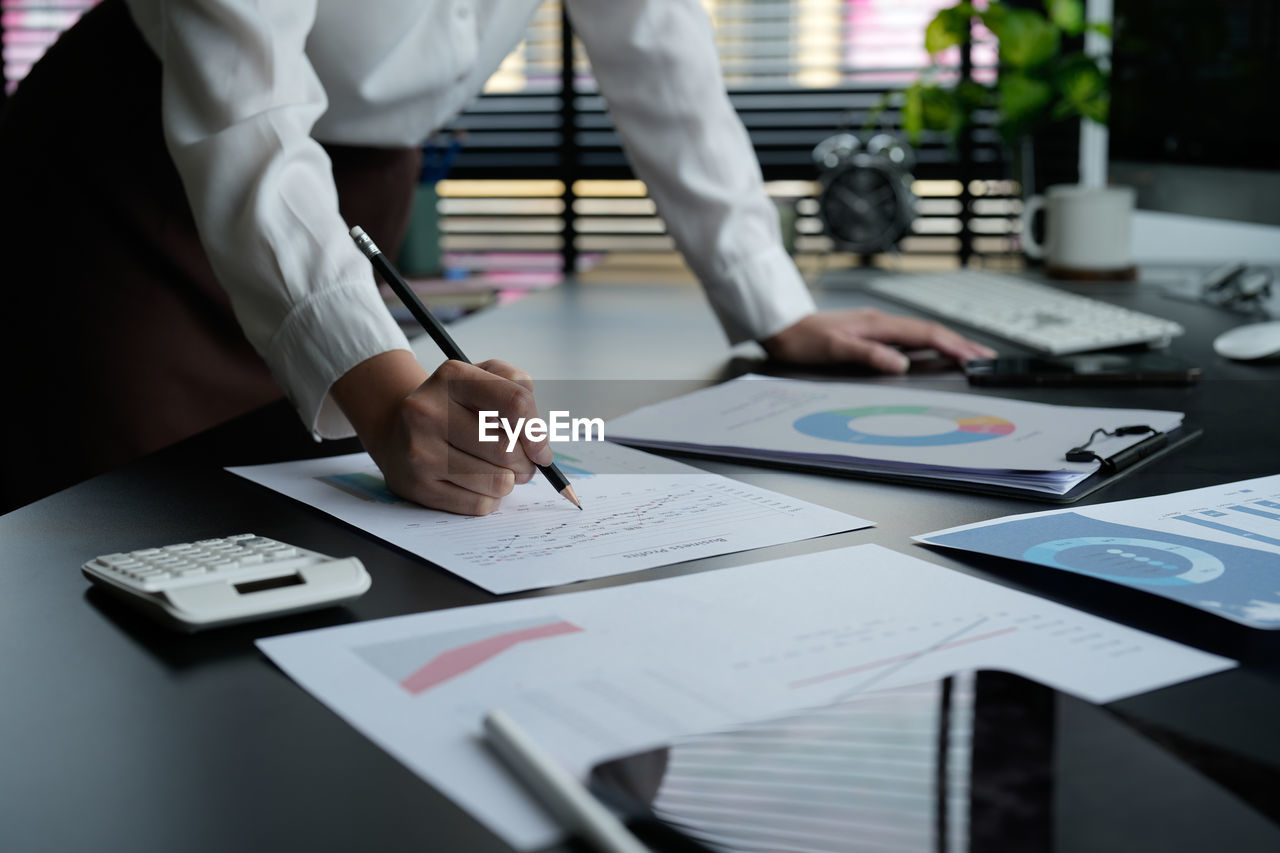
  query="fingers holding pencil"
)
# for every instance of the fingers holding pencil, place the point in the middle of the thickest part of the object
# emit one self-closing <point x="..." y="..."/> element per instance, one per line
<point x="450" y="467"/>
<point x="537" y="451"/>
<point x="425" y="441"/>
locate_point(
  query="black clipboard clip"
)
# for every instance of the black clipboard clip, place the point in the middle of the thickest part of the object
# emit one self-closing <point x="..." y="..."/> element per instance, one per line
<point x="1122" y="459"/>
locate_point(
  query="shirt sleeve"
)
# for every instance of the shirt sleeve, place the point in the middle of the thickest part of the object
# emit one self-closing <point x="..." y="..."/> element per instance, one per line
<point x="239" y="99"/>
<point x="657" y="66"/>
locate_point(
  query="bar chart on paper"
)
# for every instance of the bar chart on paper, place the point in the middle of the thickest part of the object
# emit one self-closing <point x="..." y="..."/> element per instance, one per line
<point x="638" y="511"/>
<point x="1253" y="521"/>
<point x="1216" y="549"/>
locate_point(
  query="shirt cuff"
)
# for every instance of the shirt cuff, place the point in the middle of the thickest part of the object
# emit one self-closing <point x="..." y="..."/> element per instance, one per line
<point x="322" y="338"/>
<point x="760" y="296"/>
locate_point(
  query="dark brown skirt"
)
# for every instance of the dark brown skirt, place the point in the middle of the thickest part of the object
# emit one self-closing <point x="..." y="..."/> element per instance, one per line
<point x="117" y="336"/>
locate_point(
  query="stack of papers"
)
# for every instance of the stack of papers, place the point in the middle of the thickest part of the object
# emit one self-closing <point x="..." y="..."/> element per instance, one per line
<point x="875" y="429"/>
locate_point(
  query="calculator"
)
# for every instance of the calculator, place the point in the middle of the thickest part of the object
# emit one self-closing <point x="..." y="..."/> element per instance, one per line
<point x="212" y="582"/>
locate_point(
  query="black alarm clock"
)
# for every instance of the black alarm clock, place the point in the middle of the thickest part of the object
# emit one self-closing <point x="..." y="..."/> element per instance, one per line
<point x="866" y="204"/>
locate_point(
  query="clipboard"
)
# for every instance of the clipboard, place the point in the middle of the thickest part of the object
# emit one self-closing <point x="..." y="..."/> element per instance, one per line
<point x="1112" y="468"/>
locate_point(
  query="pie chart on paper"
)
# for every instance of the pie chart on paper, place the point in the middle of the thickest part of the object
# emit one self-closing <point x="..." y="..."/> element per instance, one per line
<point x="903" y="426"/>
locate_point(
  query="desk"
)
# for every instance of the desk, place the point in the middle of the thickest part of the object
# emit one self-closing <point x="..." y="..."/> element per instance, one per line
<point x="117" y="735"/>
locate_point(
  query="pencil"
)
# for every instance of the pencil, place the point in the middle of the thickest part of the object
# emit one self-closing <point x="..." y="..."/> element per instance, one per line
<point x="442" y="338"/>
<point x="562" y="794"/>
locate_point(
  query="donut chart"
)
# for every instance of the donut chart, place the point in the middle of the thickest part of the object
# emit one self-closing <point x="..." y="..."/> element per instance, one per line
<point x="1132" y="559"/>
<point x="903" y="426"/>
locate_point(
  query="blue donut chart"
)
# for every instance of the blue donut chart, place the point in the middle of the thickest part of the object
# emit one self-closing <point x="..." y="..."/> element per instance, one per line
<point x="837" y="425"/>
<point x="1233" y="581"/>
<point x="1139" y="561"/>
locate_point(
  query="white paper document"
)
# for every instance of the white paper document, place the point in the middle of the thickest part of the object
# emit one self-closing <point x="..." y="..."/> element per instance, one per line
<point x="597" y="674"/>
<point x="1217" y="548"/>
<point x="639" y="512"/>
<point x="878" y="429"/>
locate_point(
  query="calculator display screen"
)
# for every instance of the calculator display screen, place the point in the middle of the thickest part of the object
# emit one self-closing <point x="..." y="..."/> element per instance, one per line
<point x="269" y="583"/>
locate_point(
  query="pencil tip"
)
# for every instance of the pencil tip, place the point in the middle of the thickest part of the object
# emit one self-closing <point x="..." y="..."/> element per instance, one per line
<point x="571" y="496"/>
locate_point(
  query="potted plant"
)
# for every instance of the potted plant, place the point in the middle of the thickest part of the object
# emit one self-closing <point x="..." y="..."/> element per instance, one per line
<point x="1037" y="80"/>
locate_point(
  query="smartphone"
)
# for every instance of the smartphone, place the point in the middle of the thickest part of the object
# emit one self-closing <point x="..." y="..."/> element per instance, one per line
<point x="1107" y="368"/>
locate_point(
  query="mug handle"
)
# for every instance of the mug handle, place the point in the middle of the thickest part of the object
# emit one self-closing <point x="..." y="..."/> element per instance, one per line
<point x="1033" y="247"/>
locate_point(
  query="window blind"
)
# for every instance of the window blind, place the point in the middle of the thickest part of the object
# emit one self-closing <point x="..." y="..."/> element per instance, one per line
<point x="796" y="70"/>
<point x="28" y="27"/>
<point x="542" y="175"/>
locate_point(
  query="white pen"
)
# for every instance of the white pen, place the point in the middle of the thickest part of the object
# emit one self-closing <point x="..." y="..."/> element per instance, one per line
<point x="563" y="796"/>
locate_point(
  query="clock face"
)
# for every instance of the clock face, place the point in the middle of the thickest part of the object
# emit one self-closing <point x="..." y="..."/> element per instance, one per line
<point x="864" y="207"/>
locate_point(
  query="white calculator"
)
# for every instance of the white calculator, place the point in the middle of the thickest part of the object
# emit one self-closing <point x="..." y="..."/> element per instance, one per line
<point x="197" y="585"/>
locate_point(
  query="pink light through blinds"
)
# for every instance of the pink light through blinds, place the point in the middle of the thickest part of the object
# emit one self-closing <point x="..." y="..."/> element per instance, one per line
<point x="30" y="27"/>
<point x="885" y="39"/>
<point x="874" y="40"/>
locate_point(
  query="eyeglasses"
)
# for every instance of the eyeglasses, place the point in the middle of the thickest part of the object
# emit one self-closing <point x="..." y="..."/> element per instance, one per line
<point x="1239" y="288"/>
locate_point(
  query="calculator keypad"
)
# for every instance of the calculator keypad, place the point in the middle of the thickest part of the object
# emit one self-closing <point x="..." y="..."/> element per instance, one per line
<point x="158" y="569"/>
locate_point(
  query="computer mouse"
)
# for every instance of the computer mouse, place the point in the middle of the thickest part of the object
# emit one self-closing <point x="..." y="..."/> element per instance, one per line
<point x="1245" y="343"/>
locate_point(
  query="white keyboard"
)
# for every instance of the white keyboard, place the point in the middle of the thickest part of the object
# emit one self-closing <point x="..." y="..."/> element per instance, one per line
<point x="210" y="582"/>
<point x="1039" y="317"/>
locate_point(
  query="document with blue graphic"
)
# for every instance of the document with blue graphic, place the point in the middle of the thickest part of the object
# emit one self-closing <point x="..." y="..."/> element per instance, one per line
<point x="638" y="511"/>
<point x="874" y="428"/>
<point x="1216" y="548"/>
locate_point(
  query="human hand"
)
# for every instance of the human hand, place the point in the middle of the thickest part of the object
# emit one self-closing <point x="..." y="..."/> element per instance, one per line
<point x="426" y="438"/>
<point x="866" y="335"/>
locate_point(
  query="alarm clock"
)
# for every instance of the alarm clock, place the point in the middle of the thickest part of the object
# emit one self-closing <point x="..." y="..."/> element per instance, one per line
<point x="866" y="204"/>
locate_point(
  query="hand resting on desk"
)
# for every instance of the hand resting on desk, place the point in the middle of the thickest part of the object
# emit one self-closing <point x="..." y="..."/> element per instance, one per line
<point x="422" y="429"/>
<point x="867" y="336"/>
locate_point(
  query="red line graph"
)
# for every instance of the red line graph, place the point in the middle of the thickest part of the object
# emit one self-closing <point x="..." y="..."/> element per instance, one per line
<point x="454" y="662"/>
<point x="854" y="670"/>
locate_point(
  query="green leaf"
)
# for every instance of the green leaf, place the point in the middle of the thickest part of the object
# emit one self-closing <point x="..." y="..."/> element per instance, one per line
<point x="948" y="28"/>
<point x="1079" y="78"/>
<point x="1027" y="39"/>
<point x="1097" y="108"/>
<point x="993" y="14"/>
<point x="941" y="110"/>
<point x="1068" y="15"/>
<point x="1022" y="99"/>
<point x="972" y="96"/>
<point x="913" y="113"/>
<point x="1102" y="28"/>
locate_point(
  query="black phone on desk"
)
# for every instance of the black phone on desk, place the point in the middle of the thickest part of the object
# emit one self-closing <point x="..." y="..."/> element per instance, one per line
<point x="1103" y="368"/>
<point x="982" y="760"/>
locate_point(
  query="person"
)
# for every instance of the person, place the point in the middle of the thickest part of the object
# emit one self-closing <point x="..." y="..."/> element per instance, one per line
<point x="178" y="179"/>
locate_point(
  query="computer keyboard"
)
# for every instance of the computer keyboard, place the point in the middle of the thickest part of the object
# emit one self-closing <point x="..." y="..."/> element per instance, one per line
<point x="1036" y="316"/>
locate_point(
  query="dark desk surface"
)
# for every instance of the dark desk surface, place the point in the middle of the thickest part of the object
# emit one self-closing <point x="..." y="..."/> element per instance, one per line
<point x="118" y="735"/>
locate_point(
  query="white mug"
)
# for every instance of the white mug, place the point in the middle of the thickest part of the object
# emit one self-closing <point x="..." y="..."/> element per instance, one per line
<point x="1086" y="231"/>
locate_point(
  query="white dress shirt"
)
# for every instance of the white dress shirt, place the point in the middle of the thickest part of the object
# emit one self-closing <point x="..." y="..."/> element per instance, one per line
<point x="250" y="85"/>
